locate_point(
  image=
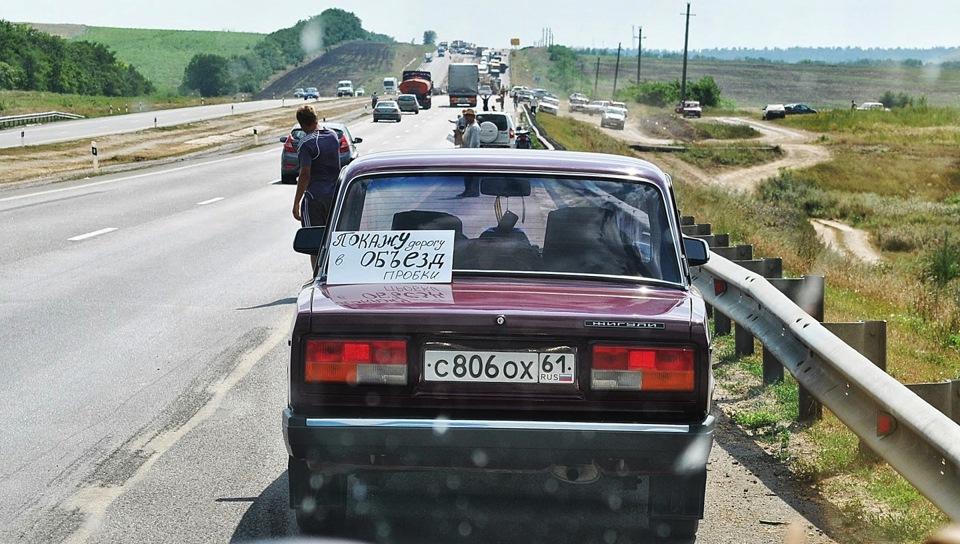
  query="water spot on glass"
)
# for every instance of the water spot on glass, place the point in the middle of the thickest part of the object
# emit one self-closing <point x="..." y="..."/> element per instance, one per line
<point x="610" y="536"/>
<point x="359" y="491"/>
<point x="479" y="458"/>
<point x="464" y="528"/>
<point x="372" y="399"/>
<point x="316" y="481"/>
<point x="440" y="425"/>
<point x="308" y="505"/>
<point x="453" y="482"/>
<point x="383" y="529"/>
<point x="551" y="485"/>
<point x="614" y="501"/>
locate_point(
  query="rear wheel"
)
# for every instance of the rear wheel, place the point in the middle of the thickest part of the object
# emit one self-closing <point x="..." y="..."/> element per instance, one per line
<point x="319" y="499"/>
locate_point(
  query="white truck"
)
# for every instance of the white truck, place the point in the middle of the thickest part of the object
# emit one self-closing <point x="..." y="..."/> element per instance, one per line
<point x="389" y="85"/>
<point x="345" y="87"/>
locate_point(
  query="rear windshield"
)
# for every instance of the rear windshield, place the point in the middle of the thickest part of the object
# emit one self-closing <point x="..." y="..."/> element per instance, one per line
<point x="499" y="120"/>
<point x="518" y="223"/>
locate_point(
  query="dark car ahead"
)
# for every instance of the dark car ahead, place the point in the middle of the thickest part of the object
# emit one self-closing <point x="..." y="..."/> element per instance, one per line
<point x="290" y="164"/>
<point x="564" y="365"/>
<point x="798" y="109"/>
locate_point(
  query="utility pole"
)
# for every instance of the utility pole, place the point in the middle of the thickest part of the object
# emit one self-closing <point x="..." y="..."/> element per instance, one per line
<point x="596" y="78"/>
<point x="686" y="41"/>
<point x="639" y="37"/>
<point x="616" y="72"/>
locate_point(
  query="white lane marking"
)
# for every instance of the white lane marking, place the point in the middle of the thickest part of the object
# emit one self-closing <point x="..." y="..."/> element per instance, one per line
<point x="211" y="201"/>
<point x="157" y="173"/>
<point x="91" y="234"/>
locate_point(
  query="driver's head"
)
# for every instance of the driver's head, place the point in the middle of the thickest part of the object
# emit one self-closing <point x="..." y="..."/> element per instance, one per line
<point x="307" y="118"/>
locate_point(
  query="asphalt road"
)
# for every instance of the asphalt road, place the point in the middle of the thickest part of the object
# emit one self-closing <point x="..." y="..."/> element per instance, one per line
<point x="144" y="349"/>
<point x="62" y="131"/>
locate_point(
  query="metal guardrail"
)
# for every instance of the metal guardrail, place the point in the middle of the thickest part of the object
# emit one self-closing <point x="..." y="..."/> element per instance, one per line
<point x="32" y="118"/>
<point x="917" y="440"/>
<point x="541" y="136"/>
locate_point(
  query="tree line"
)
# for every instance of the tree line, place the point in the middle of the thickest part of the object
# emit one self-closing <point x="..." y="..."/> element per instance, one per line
<point x="216" y="75"/>
<point x="31" y="60"/>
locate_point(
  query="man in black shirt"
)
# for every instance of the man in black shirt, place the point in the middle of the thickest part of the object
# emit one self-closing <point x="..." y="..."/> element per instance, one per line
<point x="319" y="153"/>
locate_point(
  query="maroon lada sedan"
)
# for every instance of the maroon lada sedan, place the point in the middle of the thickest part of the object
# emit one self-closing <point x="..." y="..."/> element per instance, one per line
<point x="514" y="325"/>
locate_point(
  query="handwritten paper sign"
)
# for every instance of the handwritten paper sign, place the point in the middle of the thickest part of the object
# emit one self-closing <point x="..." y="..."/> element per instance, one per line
<point x="391" y="256"/>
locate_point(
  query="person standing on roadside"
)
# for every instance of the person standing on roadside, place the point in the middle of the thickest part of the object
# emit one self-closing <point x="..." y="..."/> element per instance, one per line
<point x="319" y="155"/>
<point x="373" y="100"/>
<point x="471" y="131"/>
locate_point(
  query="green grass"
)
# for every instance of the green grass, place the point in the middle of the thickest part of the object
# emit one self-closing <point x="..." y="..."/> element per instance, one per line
<point x="726" y="131"/>
<point x="160" y="55"/>
<point x="733" y="155"/>
<point x="753" y="84"/>
<point x="872" y="495"/>
<point x="861" y="123"/>
<point x="581" y="136"/>
<point x="19" y="102"/>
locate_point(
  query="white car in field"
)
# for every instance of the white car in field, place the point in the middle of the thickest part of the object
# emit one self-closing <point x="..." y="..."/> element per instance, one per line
<point x="613" y="118"/>
<point x="549" y="104"/>
<point x="597" y="107"/>
<point x="872" y="106"/>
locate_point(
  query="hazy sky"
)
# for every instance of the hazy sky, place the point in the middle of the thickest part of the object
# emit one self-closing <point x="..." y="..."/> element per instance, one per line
<point x="718" y="23"/>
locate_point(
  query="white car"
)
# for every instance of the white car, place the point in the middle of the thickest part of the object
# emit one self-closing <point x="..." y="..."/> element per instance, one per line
<point x="496" y="129"/>
<point x="690" y="108"/>
<point x="549" y="105"/>
<point x="360" y="92"/>
<point x="872" y="106"/>
<point x="515" y="89"/>
<point x="773" y="111"/>
<point x="597" y="107"/>
<point x="613" y="118"/>
<point x="345" y="88"/>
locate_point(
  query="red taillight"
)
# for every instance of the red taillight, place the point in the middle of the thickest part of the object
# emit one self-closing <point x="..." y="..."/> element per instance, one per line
<point x="512" y="133"/>
<point x="356" y="361"/>
<point x="642" y="368"/>
<point x="344" y="146"/>
<point x="288" y="145"/>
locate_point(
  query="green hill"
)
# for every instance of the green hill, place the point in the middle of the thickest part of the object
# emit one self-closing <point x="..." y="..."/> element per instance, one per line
<point x="160" y="55"/>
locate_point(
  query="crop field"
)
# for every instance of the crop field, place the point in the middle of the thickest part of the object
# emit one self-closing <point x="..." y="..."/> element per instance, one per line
<point x="752" y="84"/>
<point x="160" y="55"/>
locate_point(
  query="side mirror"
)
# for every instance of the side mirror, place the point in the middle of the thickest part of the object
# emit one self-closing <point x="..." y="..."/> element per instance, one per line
<point x="696" y="250"/>
<point x="309" y="240"/>
<point x="358" y="140"/>
<point x="283" y="139"/>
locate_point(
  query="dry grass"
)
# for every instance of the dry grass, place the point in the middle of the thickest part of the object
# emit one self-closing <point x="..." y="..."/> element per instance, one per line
<point x="19" y="164"/>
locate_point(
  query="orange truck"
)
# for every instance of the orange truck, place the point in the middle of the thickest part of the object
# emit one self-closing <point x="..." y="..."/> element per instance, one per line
<point x="420" y="84"/>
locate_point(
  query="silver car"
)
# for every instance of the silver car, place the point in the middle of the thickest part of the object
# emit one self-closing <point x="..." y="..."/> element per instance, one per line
<point x="408" y="102"/>
<point x="290" y="162"/>
<point x="387" y="110"/>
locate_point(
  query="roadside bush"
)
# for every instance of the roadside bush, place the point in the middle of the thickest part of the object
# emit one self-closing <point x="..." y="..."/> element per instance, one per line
<point x="790" y="189"/>
<point x="941" y="264"/>
<point x="665" y="93"/>
<point x="896" y="241"/>
<point x="896" y="100"/>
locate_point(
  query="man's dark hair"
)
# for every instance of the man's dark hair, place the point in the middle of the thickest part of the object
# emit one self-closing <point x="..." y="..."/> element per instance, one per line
<point x="306" y="116"/>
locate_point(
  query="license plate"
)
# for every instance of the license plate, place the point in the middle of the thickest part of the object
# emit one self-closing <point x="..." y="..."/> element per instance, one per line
<point x="499" y="366"/>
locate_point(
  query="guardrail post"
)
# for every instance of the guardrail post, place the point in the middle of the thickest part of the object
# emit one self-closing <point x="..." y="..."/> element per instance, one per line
<point x="721" y="323"/>
<point x="256" y="137"/>
<point x="869" y="338"/>
<point x="807" y="293"/>
<point x="944" y="396"/>
<point x="23" y="135"/>
<point x="768" y="268"/>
